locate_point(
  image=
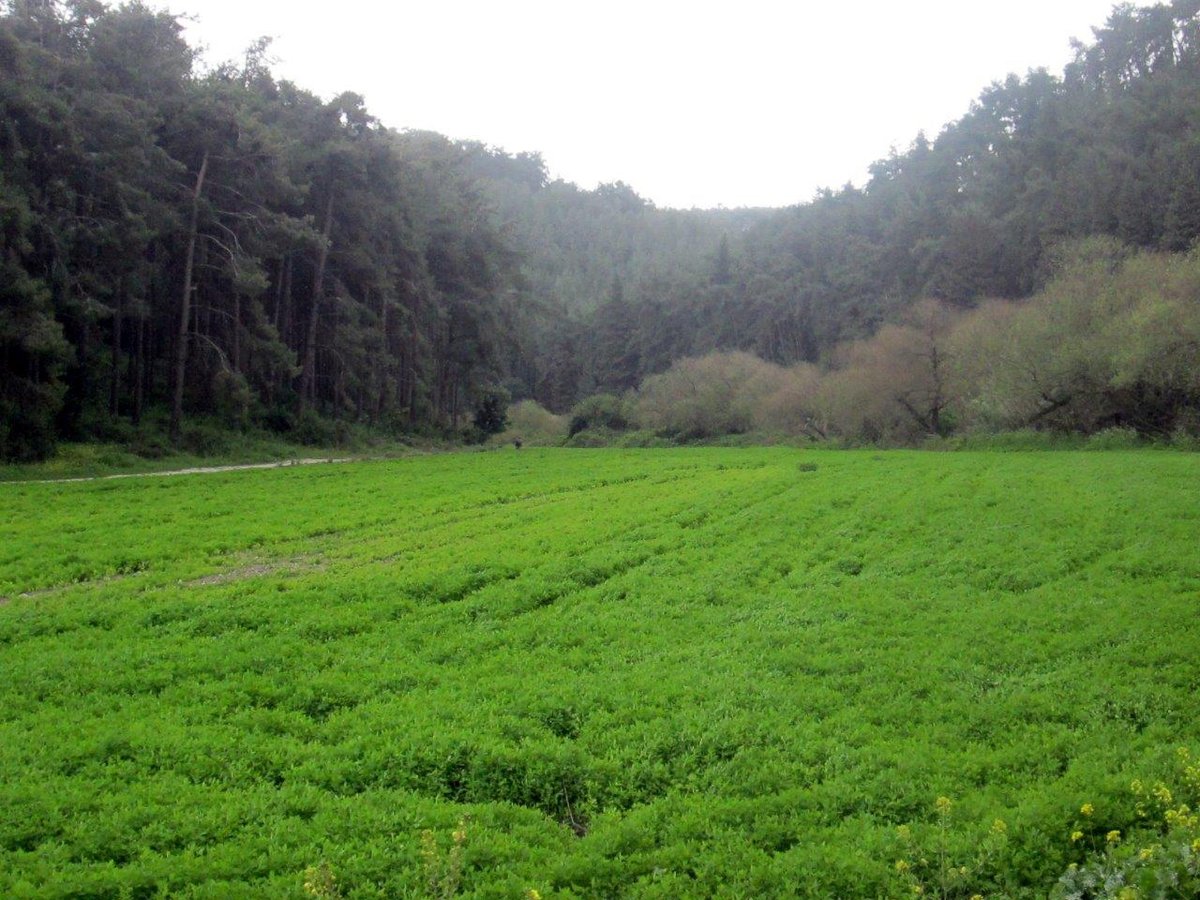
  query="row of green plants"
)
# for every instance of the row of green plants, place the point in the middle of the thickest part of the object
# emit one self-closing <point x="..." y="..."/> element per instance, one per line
<point x="663" y="673"/>
<point x="1158" y="857"/>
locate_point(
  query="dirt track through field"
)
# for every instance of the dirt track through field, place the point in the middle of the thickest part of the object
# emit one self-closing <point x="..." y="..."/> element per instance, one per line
<point x="195" y="470"/>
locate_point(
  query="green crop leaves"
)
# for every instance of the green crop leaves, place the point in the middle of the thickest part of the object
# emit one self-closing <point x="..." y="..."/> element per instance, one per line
<point x="653" y="673"/>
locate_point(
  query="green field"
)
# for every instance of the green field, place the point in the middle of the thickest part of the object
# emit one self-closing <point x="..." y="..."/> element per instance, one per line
<point x="647" y="673"/>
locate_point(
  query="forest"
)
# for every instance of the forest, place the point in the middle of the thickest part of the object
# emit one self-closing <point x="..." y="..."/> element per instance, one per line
<point x="184" y="246"/>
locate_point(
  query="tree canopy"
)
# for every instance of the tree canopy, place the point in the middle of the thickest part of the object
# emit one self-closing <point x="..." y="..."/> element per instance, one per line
<point x="176" y="242"/>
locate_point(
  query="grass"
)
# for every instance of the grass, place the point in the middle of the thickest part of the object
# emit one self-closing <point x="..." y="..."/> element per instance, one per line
<point x="655" y="673"/>
<point x="100" y="459"/>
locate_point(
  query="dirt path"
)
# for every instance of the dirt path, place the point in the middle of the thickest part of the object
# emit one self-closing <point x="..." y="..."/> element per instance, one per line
<point x="196" y="470"/>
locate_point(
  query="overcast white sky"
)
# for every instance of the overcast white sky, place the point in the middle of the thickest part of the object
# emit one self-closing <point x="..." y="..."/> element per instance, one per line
<point x="692" y="103"/>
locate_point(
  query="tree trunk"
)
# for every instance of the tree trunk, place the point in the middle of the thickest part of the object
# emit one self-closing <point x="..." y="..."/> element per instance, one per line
<point x="185" y="304"/>
<point x="410" y="363"/>
<point x="237" y="332"/>
<point x="308" y="375"/>
<point x="384" y="367"/>
<point x="139" y="378"/>
<point x="278" y="292"/>
<point x="114" y="387"/>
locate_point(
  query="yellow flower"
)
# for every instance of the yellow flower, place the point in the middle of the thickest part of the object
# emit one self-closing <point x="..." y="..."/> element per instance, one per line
<point x="977" y="897"/>
<point x="1128" y="894"/>
<point x="1136" y="786"/>
<point x="943" y="805"/>
<point x="1076" y="836"/>
<point x="904" y="831"/>
<point x="532" y="894"/>
<point x="998" y="827"/>
<point x="1113" y="836"/>
<point x="1145" y="853"/>
<point x="1163" y="793"/>
<point x="1196" y="845"/>
<point x="902" y="866"/>
<point x="1087" y="809"/>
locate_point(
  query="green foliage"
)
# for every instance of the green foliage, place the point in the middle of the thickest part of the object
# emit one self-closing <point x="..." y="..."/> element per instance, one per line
<point x="389" y="279"/>
<point x="225" y="243"/>
<point x="689" y="672"/>
<point x="932" y="870"/>
<point x="1110" y="348"/>
<point x="718" y="394"/>
<point x="1159" y="858"/>
<point x="534" y="425"/>
<point x="491" y="412"/>
<point x="600" y="411"/>
<point x="319" y="881"/>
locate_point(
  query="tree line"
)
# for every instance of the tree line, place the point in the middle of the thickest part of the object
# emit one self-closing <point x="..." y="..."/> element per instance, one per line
<point x="1107" y="148"/>
<point x="179" y="244"/>
<point x="222" y="243"/>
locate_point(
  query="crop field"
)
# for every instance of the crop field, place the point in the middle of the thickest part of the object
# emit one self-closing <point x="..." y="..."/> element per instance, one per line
<point x="651" y="673"/>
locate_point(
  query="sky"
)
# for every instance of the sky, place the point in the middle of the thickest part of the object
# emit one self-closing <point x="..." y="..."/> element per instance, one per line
<point x="693" y="104"/>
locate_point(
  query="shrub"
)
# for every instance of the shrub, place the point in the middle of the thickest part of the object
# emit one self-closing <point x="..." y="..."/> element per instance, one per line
<point x="491" y="412"/>
<point x="313" y="430"/>
<point x="717" y="394"/>
<point x="533" y="424"/>
<point x="600" y="411"/>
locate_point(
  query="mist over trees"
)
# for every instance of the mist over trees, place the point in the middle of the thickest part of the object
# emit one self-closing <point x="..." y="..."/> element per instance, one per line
<point x="180" y="245"/>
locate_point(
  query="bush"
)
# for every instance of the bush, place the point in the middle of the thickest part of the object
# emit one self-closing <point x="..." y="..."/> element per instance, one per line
<point x="491" y="413"/>
<point x="232" y="398"/>
<point x="642" y="440"/>
<point x="533" y="424"/>
<point x="701" y="397"/>
<point x="27" y="432"/>
<point x="204" y="439"/>
<point x="149" y="444"/>
<point x="1114" y="439"/>
<point x="600" y="411"/>
<point x="313" y="430"/>
<point x="594" y="438"/>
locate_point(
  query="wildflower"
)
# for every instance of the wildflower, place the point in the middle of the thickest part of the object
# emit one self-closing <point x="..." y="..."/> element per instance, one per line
<point x="943" y="805"/>
<point x="998" y="827"/>
<point x="1087" y="809"/>
<point x="977" y="897"/>
<point x="1196" y="845"/>
<point x="1128" y="893"/>
<point x="1073" y="867"/>
<point x="1113" y="836"/>
<point x="904" y="832"/>
<point x="532" y="894"/>
<point x="319" y="881"/>
<point x="1145" y="853"/>
<point x="1076" y="836"/>
<point x="1136" y="786"/>
<point x="1163" y="793"/>
<point x="902" y="866"/>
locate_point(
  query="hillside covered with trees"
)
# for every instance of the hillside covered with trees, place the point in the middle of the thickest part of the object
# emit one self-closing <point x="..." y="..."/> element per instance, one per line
<point x="180" y="245"/>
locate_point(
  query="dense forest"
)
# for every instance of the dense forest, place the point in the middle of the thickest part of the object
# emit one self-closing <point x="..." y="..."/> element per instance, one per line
<point x="180" y="244"/>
